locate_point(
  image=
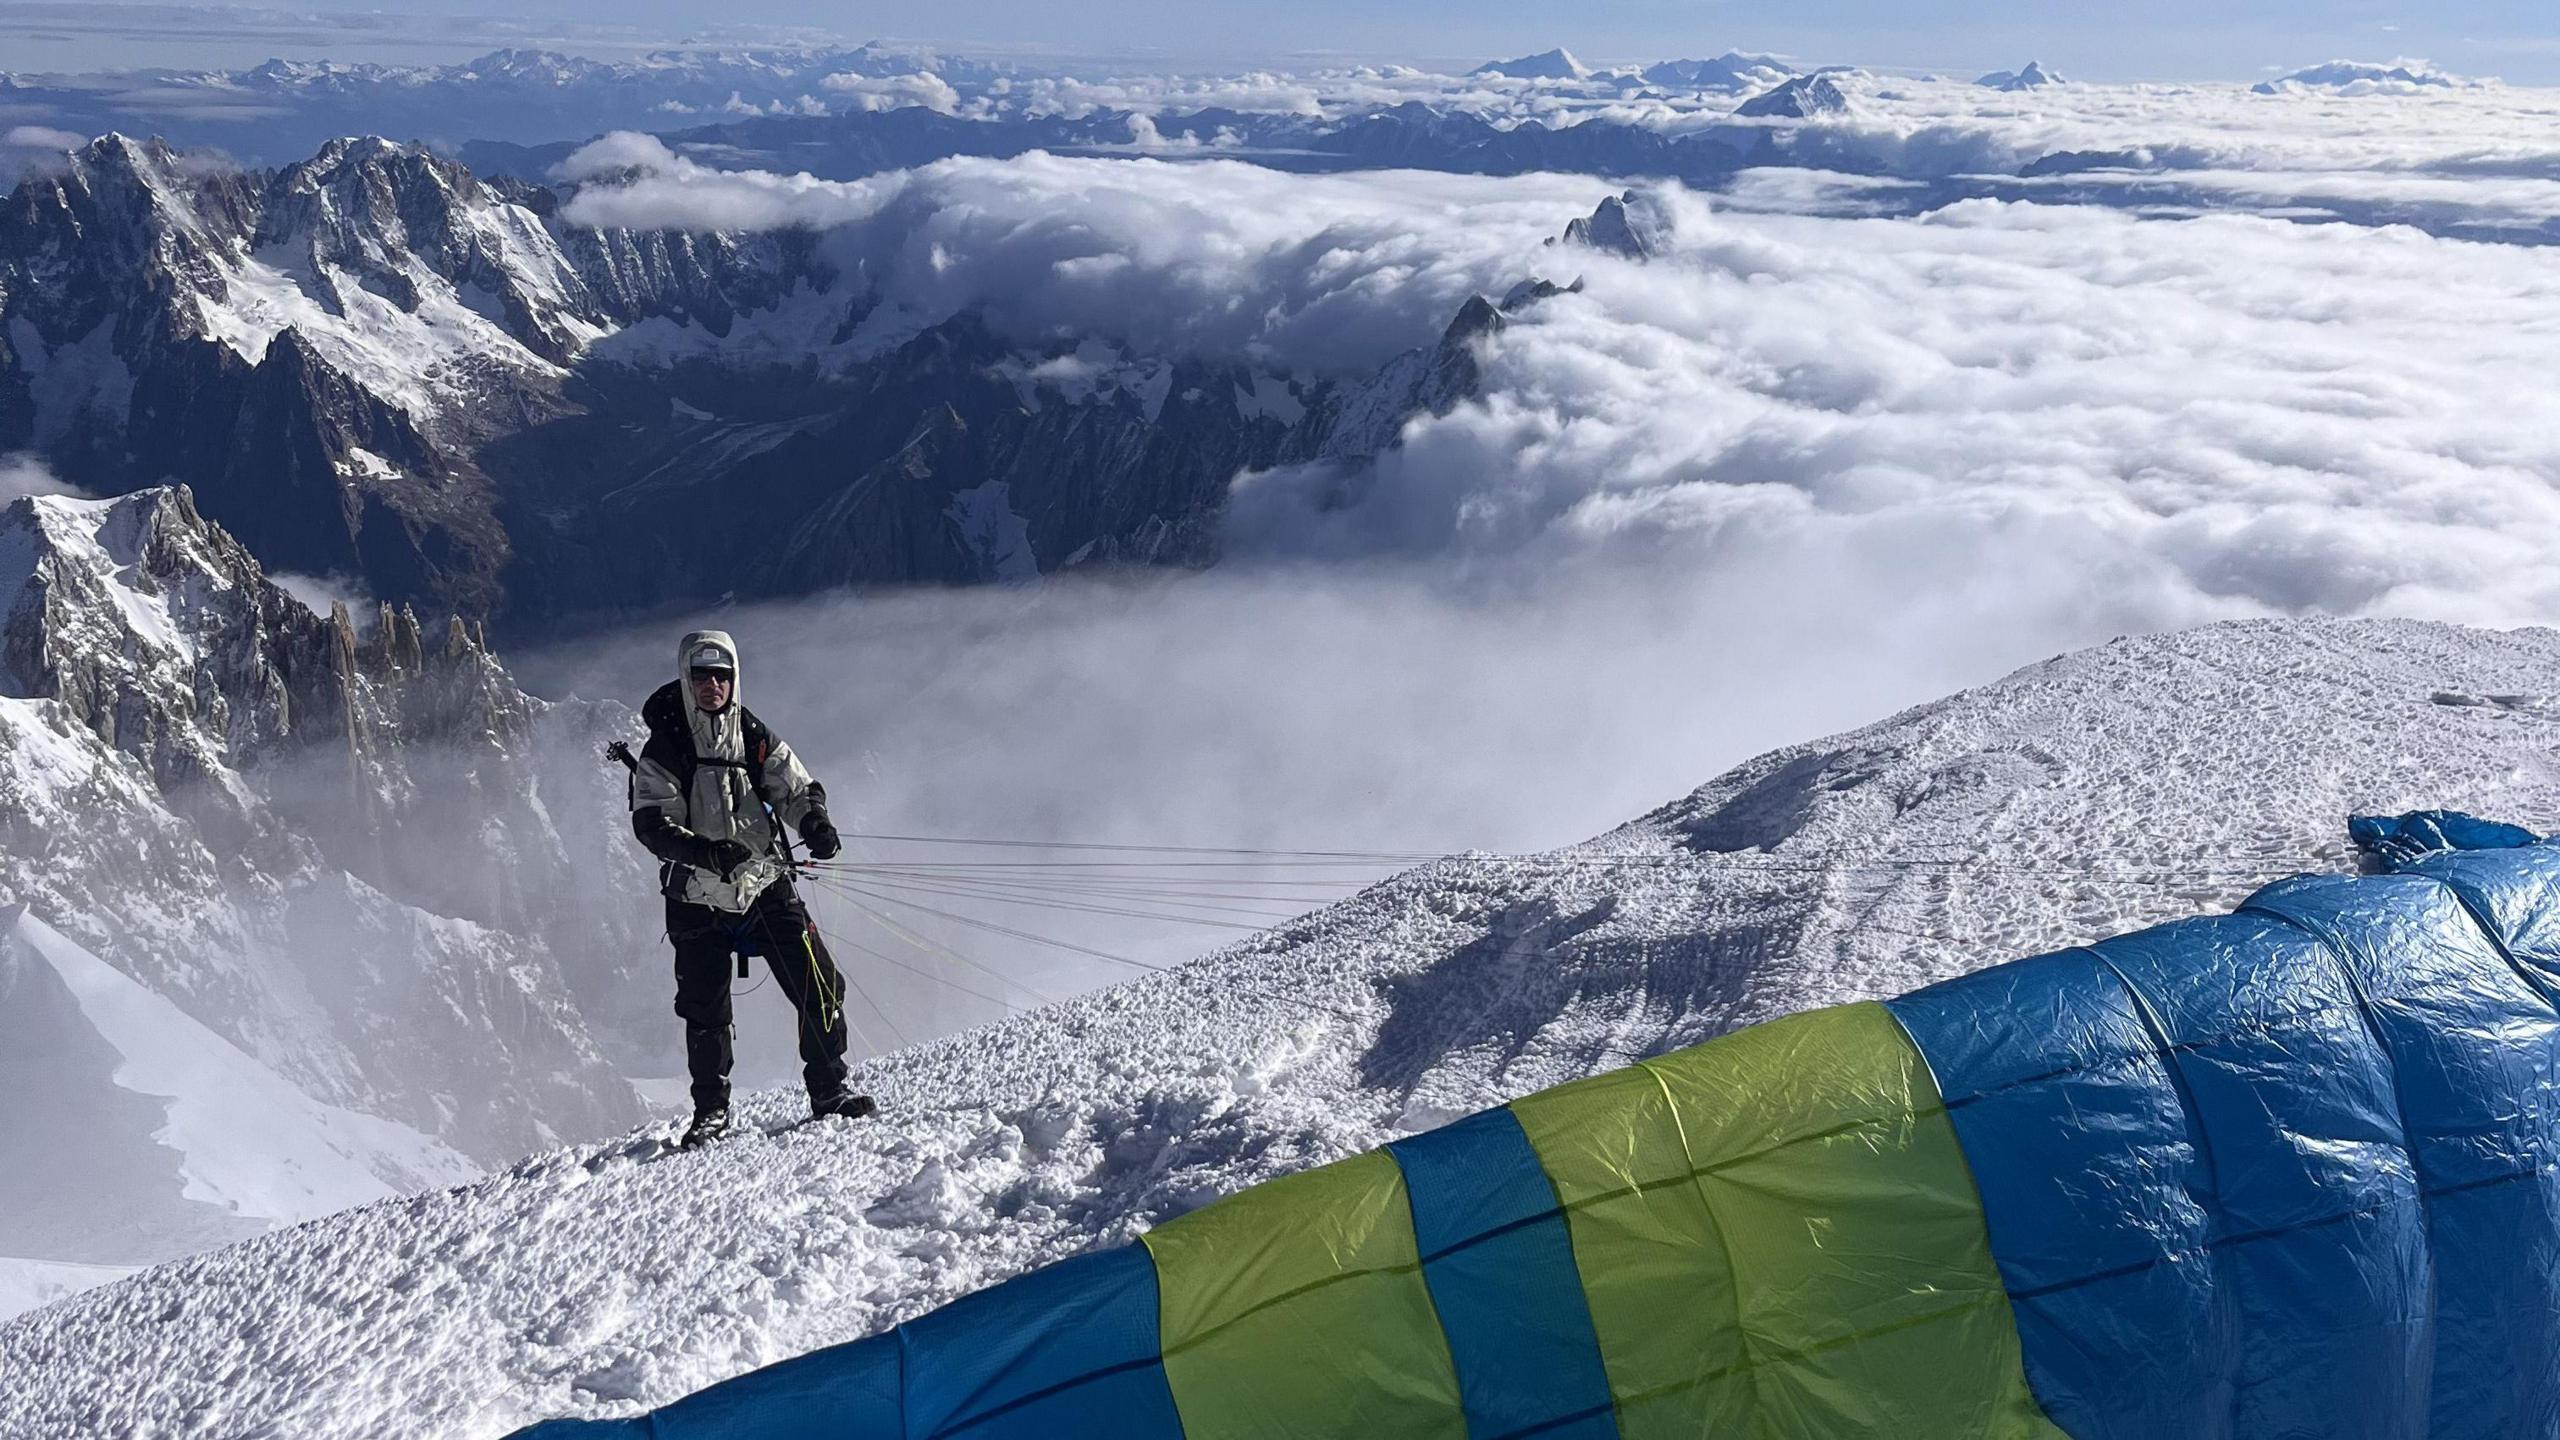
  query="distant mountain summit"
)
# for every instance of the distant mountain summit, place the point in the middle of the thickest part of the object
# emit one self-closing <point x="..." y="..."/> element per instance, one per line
<point x="1803" y="98"/>
<point x="2361" y="77"/>
<point x="2033" y="77"/>
<point x="1732" y="70"/>
<point x="1556" y="64"/>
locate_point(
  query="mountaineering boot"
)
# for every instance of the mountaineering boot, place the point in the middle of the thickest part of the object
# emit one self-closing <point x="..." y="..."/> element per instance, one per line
<point x="844" y="1103"/>
<point x="709" y="1124"/>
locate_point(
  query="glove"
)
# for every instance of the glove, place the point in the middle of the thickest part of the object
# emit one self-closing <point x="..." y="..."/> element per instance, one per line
<point x="726" y="857"/>
<point x="820" y="832"/>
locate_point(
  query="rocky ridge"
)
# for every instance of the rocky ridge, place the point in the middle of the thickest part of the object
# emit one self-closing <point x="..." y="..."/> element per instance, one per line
<point x="374" y="364"/>
<point x="294" y="828"/>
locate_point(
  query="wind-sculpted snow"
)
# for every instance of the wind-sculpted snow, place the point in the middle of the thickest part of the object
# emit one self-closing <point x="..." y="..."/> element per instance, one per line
<point x="2133" y="783"/>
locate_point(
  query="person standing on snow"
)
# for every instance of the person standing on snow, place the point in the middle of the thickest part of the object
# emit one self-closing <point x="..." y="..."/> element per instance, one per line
<point x="708" y="797"/>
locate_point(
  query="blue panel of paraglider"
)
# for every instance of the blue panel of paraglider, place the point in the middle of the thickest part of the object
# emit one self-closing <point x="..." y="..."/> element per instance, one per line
<point x="1500" y="1266"/>
<point x="2286" y="1172"/>
<point x="1064" y="1353"/>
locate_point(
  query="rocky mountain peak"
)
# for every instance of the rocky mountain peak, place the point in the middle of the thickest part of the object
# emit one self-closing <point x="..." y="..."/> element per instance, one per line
<point x="1476" y="318"/>
<point x="115" y="234"/>
<point x="352" y="359"/>
<point x="163" y="635"/>
<point x="1629" y="224"/>
<point x="191" y="757"/>
<point x="395" y="218"/>
<point x="152" y="627"/>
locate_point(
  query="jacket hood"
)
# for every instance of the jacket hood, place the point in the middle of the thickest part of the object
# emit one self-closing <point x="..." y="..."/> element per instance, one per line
<point x="690" y="650"/>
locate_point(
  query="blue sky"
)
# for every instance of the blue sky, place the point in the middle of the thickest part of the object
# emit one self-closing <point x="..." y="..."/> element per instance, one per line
<point x="2167" y="39"/>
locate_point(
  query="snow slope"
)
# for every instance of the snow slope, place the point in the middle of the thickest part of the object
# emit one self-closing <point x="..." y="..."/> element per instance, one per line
<point x="2131" y="783"/>
<point x="181" y="1138"/>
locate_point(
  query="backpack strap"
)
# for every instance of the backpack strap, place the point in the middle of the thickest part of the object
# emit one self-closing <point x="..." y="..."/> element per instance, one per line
<point x="671" y="744"/>
<point x="759" y="746"/>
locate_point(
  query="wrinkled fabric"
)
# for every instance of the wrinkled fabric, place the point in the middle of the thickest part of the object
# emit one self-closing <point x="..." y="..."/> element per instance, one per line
<point x="1778" y="1238"/>
<point x="2399" y="839"/>
<point x="1774" y="1232"/>
<point x="2286" y="1172"/>
<point x="1498" y="1258"/>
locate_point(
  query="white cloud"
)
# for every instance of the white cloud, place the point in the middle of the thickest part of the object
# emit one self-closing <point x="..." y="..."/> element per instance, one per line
<point x="22" y="475"/>
<point x="670" y="190"/>
<point x="2227" y="410"/>
<point x="38" y="137"/>
<point x="891" y="92"/>
<point x="320" y="592"/>
<point x="2216" y="411"/>
<point x="610" y="154"/>
<point x="1323" y="272"/>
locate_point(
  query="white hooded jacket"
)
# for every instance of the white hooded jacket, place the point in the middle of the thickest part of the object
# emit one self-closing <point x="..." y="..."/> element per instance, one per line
<point x="721" y="802"/>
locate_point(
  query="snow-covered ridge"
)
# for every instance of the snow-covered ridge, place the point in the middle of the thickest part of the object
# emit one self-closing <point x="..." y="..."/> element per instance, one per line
<point x="401" y="270"/>
<point x="2131" y="783"/>
<point x="2032" y="77"/>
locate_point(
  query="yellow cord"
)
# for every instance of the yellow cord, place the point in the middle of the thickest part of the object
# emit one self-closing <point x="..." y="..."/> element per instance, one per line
<point x="833" y="1000"/>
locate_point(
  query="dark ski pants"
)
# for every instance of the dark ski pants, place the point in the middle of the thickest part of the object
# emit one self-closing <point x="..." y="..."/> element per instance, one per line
<point x="776" y="927"/>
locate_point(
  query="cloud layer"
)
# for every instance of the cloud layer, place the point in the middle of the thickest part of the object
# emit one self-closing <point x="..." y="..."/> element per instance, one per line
<point x="1216" y="258"/>
<point x="1802" y="469"/>
<point x="2226" y="409"/>
<point x="22" y="475"/>
<point x="2231" y="408"/>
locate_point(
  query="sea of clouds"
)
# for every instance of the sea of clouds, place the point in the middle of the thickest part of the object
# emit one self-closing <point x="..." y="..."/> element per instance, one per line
<point x="1798" y="471"/>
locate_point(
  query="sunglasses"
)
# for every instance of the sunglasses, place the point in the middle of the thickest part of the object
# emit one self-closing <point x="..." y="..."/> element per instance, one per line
<point x="723" y="676"/>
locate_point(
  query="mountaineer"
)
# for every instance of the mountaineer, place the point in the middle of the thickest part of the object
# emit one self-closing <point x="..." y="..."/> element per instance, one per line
<point x="710" y="795"/>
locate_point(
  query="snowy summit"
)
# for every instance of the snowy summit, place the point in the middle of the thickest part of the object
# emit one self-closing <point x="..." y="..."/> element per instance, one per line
<point x="1732" y="70"/>
<point x="1802" y="98"/>
<point x="2356" y="77"/>
<point x="2033" y="77"/>
<point x="1556" y="64"/>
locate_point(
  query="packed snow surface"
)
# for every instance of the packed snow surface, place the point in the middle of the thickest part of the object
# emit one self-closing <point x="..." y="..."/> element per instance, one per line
<point x="2139" y="781"/>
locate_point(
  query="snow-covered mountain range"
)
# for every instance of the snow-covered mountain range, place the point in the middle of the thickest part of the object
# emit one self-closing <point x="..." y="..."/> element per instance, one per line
<point x="374" y="365"/>
<point x="2138" y="781"/>
<point x="281" y="110"/>
<point x="297" y="914"/>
